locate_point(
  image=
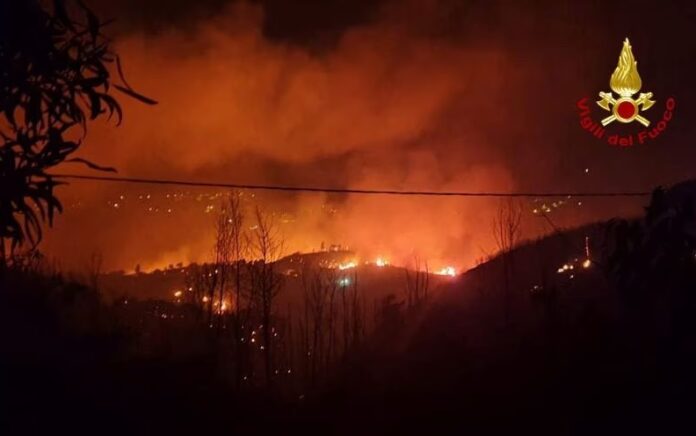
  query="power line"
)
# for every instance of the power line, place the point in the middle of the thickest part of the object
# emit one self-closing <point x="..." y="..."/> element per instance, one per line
<point x="145" y="181"/>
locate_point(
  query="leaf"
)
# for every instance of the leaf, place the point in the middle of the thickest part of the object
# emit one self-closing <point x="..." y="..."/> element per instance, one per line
<point x="122" y="76"/>
<point x="92" y="165"/>
<point x="62" y="14"/>
<point x="93" y="23"/>
<point x="113" y="106"/>
<point x="95" y="105"/>
<point x="136" y="96"/>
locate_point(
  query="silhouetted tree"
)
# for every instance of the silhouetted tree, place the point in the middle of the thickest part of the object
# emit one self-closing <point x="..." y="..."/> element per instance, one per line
<point x="506" y="231"/>
<point x="656" y="256"/>
<point x="196" y="284"/>
<point x="267" y="245"/>
<point x="223" y="257"/>
<point x="238" y="240"/>
<point x="390" y="318"/>
<point x="202" y="282"/>
<point x="352" y="315"/>
<point x="659" y="248"/>
<point x="54" y="77"/>
<point x="417" y="283"/>
<point x="94" y="270"/>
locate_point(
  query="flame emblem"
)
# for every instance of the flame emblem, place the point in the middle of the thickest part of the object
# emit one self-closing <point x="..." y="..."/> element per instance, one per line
<point x="625" y="81"/>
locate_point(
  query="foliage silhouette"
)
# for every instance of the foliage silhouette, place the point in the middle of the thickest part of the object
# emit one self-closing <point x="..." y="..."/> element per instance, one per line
<point x="658" y="250"/>
<point x="54" y="78"/>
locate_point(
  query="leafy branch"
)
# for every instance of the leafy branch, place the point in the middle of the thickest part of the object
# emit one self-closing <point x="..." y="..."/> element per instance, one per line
<point x="55" y="76"/>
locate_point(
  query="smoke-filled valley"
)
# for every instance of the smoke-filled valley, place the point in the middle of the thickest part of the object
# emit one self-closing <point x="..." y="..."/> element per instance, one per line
<point x="347" y="217"/>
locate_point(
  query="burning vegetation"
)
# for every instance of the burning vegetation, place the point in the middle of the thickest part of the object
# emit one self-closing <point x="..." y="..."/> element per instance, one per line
<point x="177" y="307"/>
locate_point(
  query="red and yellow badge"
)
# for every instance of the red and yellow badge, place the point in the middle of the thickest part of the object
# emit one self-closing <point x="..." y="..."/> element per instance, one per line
<point x="626" y="82"/>
<point x="624" y="108"/>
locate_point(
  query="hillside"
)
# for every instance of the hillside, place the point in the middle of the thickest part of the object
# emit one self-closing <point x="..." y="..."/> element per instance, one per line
<point x="559" y="345"/>
<point x="576" y="353"/>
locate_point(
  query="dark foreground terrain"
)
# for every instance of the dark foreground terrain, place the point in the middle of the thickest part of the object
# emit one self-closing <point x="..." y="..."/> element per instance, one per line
<point x="604" y="347"/>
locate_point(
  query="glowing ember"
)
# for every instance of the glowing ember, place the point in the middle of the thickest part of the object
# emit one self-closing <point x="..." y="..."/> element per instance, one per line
<point x="381" y="262"/>
<point x="447" y="271"/>
<point x="347" y="265"/>
<point x="178" y="294"/>
<point x="569" y="267"/>
<point x="564" y="268"/>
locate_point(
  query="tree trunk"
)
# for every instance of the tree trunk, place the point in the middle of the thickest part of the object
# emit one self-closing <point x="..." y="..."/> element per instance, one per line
<point x="267" y="339"/>
<point x="238" y="328"/>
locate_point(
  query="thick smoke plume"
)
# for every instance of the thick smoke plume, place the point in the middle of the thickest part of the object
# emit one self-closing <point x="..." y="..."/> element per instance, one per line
<point x="394" y="103"/>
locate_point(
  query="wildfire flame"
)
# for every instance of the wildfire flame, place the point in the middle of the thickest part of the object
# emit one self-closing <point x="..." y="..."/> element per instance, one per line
<point x="347" y="265"/>
<point x="447" y="271"/>
<point x="625" y="80"/>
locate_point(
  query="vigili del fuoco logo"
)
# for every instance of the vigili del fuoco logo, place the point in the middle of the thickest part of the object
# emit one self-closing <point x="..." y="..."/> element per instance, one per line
<point x="625" y="108"/>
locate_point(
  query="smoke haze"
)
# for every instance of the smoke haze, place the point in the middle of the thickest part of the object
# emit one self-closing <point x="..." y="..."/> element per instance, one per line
<point x="465" y="97"/>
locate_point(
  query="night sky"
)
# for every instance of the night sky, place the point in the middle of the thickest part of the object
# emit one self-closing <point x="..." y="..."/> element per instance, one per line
<point x="469" y="95"/>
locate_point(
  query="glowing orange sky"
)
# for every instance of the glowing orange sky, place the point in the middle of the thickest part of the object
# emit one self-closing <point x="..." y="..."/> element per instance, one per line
<point x="390" y="106"/>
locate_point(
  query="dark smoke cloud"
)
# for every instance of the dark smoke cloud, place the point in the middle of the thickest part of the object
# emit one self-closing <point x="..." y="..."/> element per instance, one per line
<point x="311" y="23"/>
<point x="435" y="95"/>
